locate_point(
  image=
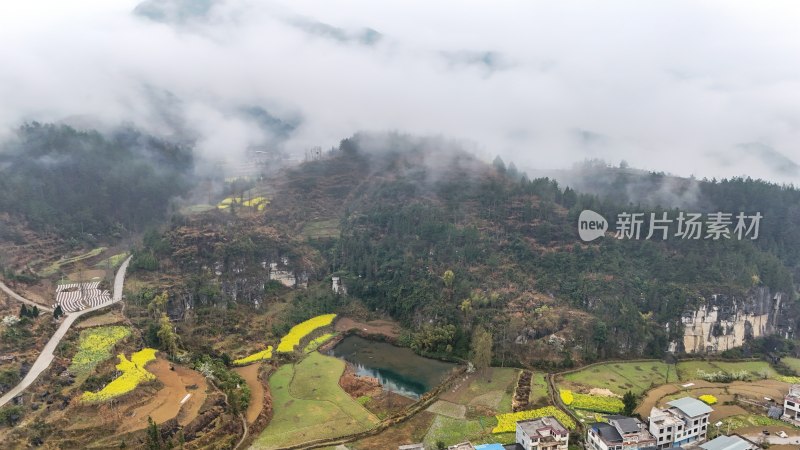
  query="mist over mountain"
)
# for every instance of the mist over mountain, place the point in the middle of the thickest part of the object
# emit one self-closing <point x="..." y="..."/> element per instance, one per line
<point x="617" y="82"/>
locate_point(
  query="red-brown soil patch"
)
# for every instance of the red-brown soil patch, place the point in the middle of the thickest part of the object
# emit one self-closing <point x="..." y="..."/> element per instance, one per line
<point x="412" y="430"/>
<point x="166" y="403"/>
<point x="387" y="402"/>
<point x="358" y="386"/>
<point x="250" y="375"/>
<point x="383" y="327"/>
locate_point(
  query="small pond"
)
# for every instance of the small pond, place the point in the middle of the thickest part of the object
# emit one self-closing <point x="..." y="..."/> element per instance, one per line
<point x="399" y="369"/>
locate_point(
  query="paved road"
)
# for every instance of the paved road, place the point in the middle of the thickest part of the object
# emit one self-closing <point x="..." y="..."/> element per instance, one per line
<point x="46" y="357"/>
<point x="13" y="294"/>
<point x="773" y="439"/>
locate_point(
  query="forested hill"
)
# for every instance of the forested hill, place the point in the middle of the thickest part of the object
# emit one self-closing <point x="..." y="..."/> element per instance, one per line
<point x="779" y="204"/>
<point x="444" y="243"/>
<point x="76" y="183"/>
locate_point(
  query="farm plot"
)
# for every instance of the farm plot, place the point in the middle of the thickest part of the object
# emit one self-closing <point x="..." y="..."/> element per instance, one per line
<point x="411" y="430"/>
<point x="53" y="268"/>
<point x="793" y="363"/>
<point x="315" y="343"/>
<point x="538" y="395"/>
<point x="94" y="347"/>
<point x="133" y="373"/>
<point x="309" y="404"/>
<point x="597" y="403"/>
<point x="78" y="296"/>
<point x="491" y="388"/>
<point x="507" y="423"/>
<point x="725" y="394"/>
<point x="301" y="330"/>
<point x="452" y="431"/>
<point x="259" y="356"/>
<point x="467" y="410"/>
<point x="181" y="396"/>
<point x="720" y="370"/>
<point x="113" y="261"/>
<point x="619" y="377"/>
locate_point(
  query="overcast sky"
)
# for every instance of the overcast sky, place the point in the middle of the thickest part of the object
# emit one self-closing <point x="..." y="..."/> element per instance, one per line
<point x="704" y="88"/>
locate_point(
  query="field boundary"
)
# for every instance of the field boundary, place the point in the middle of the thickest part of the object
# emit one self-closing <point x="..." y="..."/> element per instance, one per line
<point x="417" y="407"/>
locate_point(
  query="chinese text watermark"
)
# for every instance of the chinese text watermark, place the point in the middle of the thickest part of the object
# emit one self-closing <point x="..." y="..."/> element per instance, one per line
<point x="660" y="226"/>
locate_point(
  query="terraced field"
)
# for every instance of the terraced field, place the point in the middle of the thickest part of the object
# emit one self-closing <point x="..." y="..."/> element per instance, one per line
<point x="310" y="404"/>
<point x="688" y="370"/>
<point x="620" y="377"/>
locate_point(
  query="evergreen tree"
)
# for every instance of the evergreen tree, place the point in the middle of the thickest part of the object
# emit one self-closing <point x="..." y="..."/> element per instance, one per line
<point x="58" y="312"/>
<point x="153" y="441"/>
<point x="629" y="400"/>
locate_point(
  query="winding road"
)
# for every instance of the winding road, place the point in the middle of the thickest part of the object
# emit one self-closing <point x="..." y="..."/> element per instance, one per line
<point x="46" y="357"/>
<point x="22" y="299"/>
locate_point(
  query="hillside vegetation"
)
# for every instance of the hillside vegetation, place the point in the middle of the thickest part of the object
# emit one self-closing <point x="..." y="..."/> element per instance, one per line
<point x="445" y="243"/>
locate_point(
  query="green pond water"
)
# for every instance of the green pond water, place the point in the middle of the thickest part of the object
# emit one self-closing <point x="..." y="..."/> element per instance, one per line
<point x="399" y="369"/>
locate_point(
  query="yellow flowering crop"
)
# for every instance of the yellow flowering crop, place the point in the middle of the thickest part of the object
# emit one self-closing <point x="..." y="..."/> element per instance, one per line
<point x="95" y="346"/>
<point x="708" y="399"/>
<point x="507" y="423"/>
<point x="301" y="330"/>
<point x="133" y="373"/>
<point x="598" y="403"/>
<point x="566" y="396"/>
<point x="259" y="203"/>
<point x="313" y="345"/>
<point x="264" y="354"/>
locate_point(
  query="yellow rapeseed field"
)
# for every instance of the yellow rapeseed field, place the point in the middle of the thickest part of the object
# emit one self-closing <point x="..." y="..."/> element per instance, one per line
<point x="507" y="423"/>
<point x="262" y="355"/>
<point x="314" y="344"/>
<point x="301" y="330"/>
<point x="133" y="373"/>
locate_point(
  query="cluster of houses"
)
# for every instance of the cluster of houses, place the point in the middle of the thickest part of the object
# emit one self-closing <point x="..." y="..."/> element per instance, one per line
<point x="683" y="423"/>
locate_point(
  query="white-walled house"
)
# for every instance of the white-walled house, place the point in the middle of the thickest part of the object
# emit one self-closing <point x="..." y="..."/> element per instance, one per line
<point x="684" y="420"/>
<point x="546" y="433"/>
<point x="620" y="433"/>
<point x="791" y="404"/>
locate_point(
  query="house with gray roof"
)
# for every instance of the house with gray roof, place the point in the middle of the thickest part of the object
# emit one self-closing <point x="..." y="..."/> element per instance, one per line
<point x="619" y="433"/>
<point x="683" y="421"/>
<point x="732" y="442"/>
<point x="546" y="433"/>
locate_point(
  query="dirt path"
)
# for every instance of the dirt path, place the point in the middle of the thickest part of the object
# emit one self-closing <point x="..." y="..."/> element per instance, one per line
<point x="250" y="375"/>
<point x="166" y="403"/>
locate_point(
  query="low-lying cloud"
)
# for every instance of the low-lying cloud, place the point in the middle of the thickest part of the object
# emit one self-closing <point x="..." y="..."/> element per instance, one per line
<point x="709" y="89"/>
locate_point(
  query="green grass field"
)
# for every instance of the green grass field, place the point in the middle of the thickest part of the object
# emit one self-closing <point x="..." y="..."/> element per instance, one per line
<point x="793" y="363"/>
<point x="687" y="370"/>
<point x="485" y="392"/>
<point x="620" y="377"/>
<point x="309" y="404"/>
<point x="492" y="388"/>
<point x="538" y="395"/>
<point x="735" y="422"/>
<point x="453" y="431"/>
